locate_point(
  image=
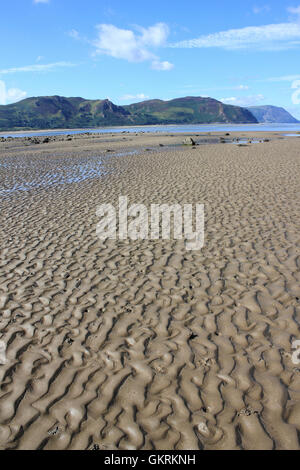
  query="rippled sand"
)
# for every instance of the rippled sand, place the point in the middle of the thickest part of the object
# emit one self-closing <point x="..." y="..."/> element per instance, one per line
<point x="144" y="345"/>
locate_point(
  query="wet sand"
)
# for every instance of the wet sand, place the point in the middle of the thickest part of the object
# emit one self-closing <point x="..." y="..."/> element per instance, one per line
<point x="143" y="344"/>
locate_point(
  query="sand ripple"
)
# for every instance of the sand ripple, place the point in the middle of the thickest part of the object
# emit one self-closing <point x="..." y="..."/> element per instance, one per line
<point x="143" y="345"/>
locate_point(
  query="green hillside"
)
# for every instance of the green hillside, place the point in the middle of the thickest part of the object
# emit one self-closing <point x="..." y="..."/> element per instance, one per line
<point x="54" y="112"/>
<point x="192" y="110"/>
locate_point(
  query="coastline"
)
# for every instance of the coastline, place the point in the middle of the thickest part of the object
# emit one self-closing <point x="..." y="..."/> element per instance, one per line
<point x="221" y="127"/>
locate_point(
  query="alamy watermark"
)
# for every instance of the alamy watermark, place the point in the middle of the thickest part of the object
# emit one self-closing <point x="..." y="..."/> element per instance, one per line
<point x="136" y="222"/>
<point x="296" y="353"/>
<point x="296" y="94"/>
<point x="2" y="353"/>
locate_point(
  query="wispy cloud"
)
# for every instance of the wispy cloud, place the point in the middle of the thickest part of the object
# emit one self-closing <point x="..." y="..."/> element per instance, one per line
<point x="108" y="11"/>
<point x="165" y="65"/>
<point x="241" y="87"/>
<point x="133" y="46"/>
<point x="262" y="9"/>
<point x="283" y="78"/>
<point x="294" y="10"/>
<point x="138" y="97"/>
<point x="36" y="68"/>
<point x="74" y="34"/>
<point x="268" y="37"/>
<point x="10" y="95"/>
<point x="41" y="1"/>
<point x="243" y="101"/>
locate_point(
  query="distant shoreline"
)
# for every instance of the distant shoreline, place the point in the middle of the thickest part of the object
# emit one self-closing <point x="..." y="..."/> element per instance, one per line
<point x="176" y="128"/>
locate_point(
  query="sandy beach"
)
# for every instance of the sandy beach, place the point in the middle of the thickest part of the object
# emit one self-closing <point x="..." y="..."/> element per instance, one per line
<point x="123" y="344"/>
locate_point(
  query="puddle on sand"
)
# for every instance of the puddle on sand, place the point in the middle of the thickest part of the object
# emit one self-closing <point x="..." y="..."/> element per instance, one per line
<point x="244" y="142"/>
<point x="26" y="173"/>
<point x="79" y="172"/>
<point x="292" y="135"/>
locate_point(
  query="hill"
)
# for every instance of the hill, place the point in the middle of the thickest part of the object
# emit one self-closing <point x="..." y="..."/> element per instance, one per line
<point x="188" y="110"/>
<point x="272" y="114"/>
<point x="54" y="112"/>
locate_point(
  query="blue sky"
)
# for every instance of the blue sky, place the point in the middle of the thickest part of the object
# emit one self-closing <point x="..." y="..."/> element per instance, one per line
<point x="240" y="52"/>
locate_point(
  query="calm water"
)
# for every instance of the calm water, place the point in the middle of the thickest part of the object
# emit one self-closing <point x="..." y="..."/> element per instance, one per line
<point x="292" y="135"/>
<point x="191" y="128"/>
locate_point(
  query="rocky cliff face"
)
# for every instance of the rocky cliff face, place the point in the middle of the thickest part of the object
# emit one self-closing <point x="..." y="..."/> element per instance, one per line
<point x="272" y="114"/>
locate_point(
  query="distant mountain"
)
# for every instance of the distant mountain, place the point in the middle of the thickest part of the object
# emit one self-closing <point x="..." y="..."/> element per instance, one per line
<point x="272" y="114"/>
<point x="188" y="110"/>
<point x="54" y="112"/>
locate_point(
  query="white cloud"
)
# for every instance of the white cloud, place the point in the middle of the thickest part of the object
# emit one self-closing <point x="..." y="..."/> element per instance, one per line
<point x="41" y="1"/>
<point x="36" y="68"/>
<point x="243" y="101"/>
<point x="242" y="87"/>
<point x="155" y="35"/>
<point x="11" y="95"/>
<point x="133" y="47"/>
<point x="165" y="65"/>
<point x="121" y="44"/>
<point x="283" y="78"/>
<point x="294" y="10"/>
<point x="268" y="37"/>
<point x="138" y="97"/>
<point x="262" y="9"/>
<point x="74" y="34"/>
